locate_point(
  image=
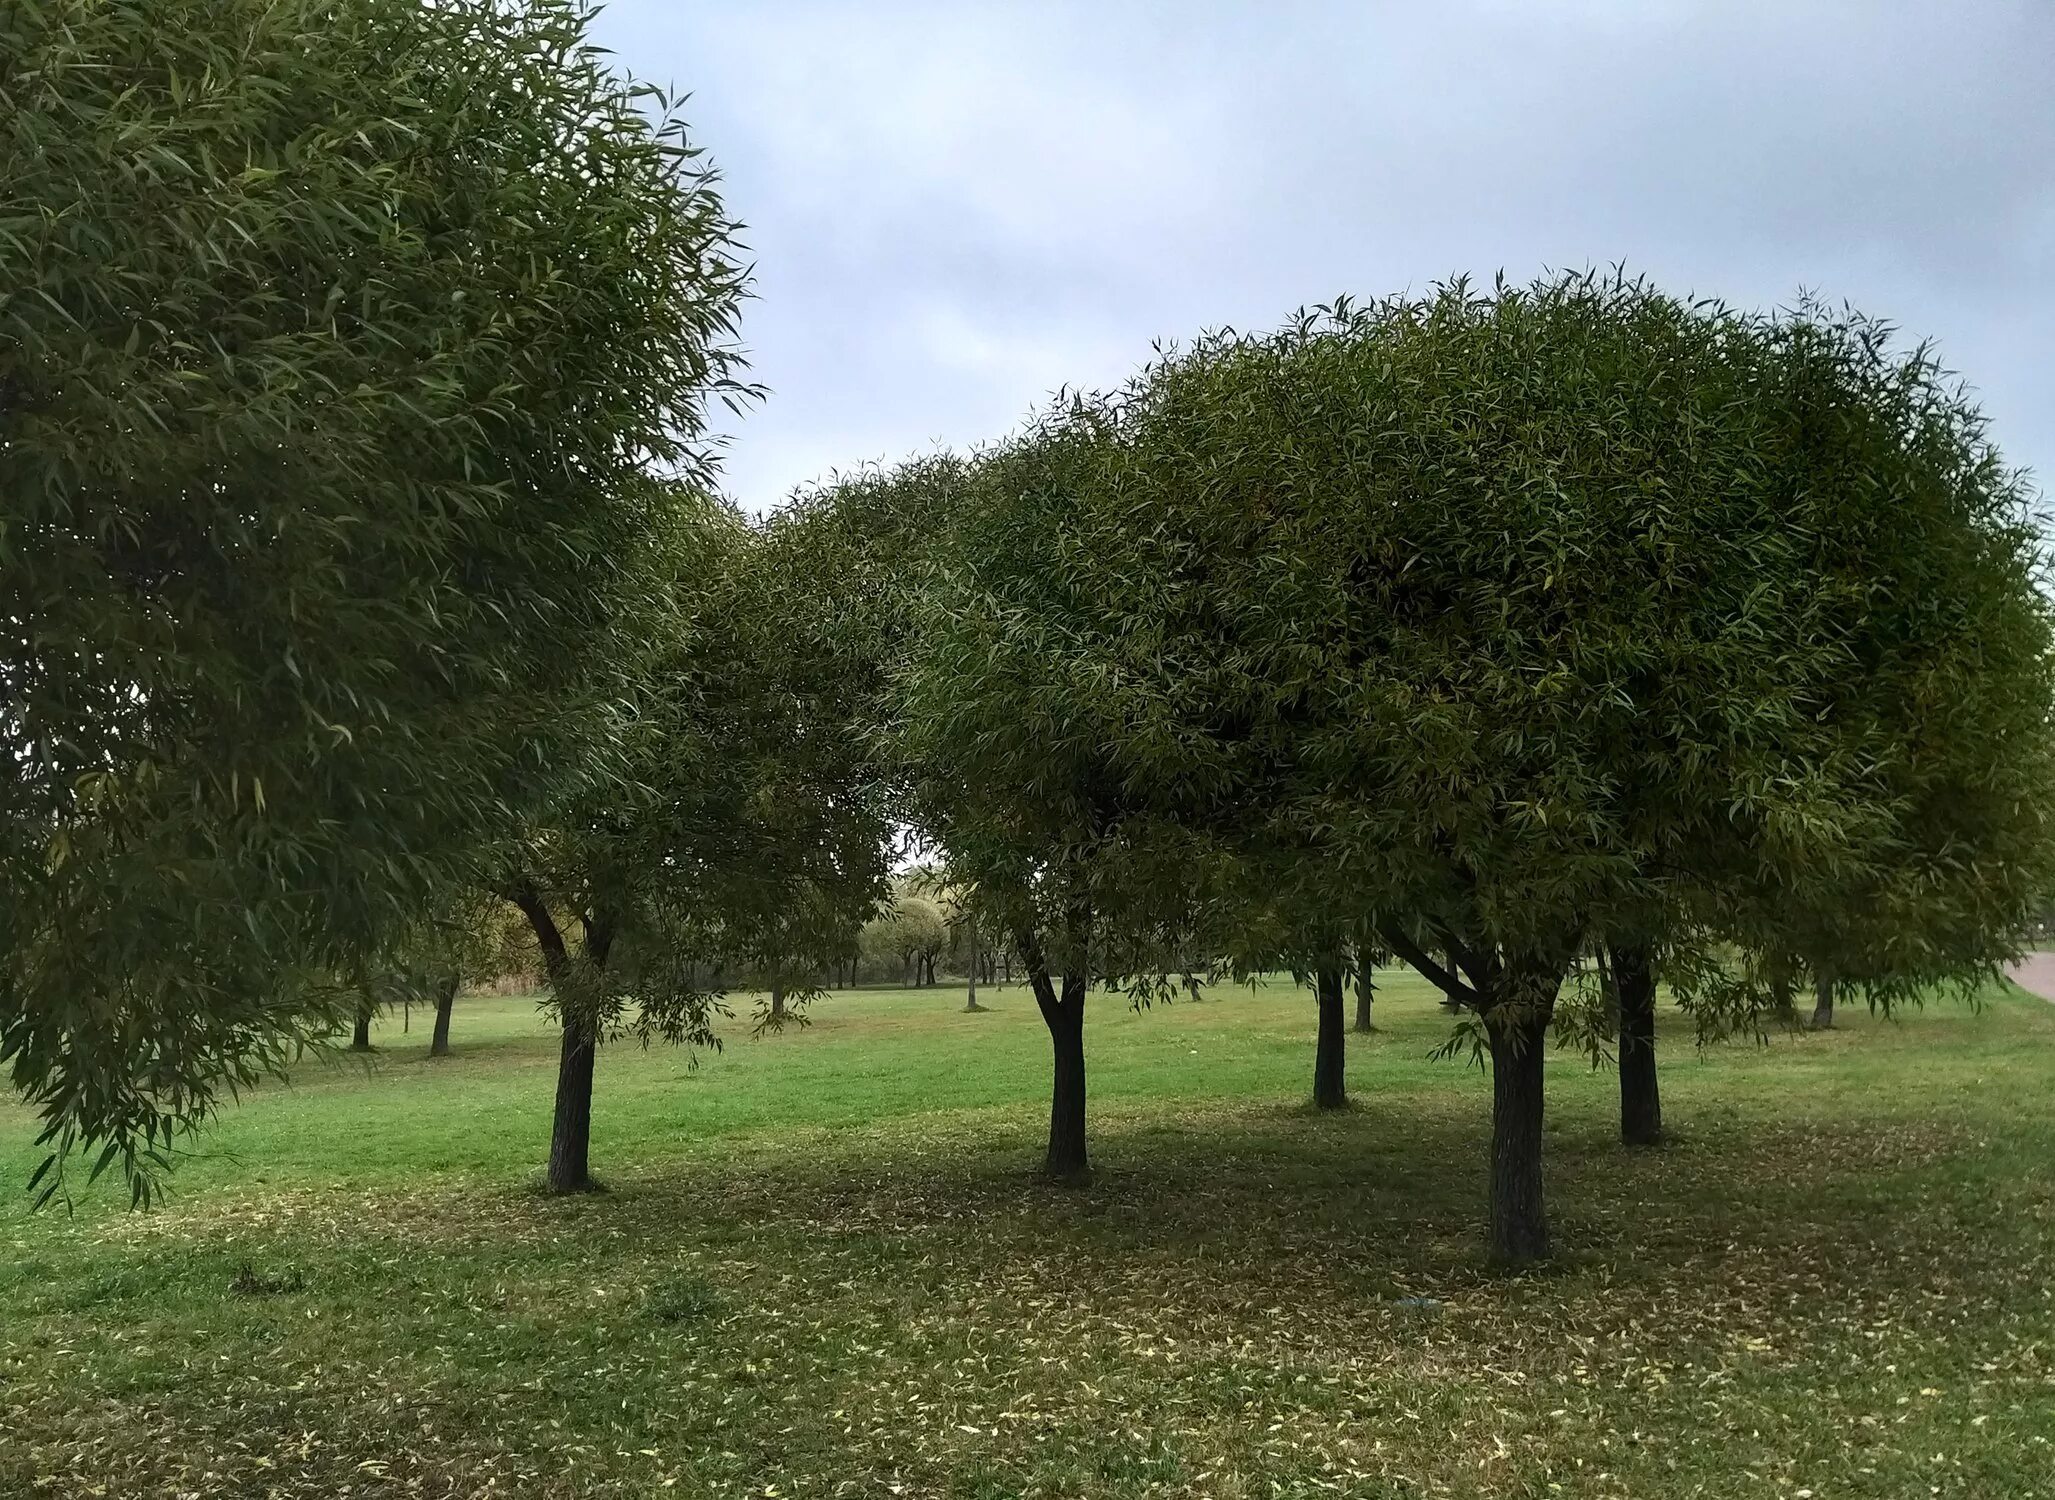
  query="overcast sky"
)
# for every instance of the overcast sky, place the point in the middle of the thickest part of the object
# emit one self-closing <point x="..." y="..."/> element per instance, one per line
<point x="956" y="208"/>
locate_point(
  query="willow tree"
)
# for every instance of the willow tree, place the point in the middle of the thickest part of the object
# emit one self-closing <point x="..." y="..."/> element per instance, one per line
<point x="473" y="936"/>
<point x="336" y="340"/>
<point x="745" y="830"/>
<point x="1515" y="623"/>
<point x="1007" y="724"/>
<point x="1936" y="578"/>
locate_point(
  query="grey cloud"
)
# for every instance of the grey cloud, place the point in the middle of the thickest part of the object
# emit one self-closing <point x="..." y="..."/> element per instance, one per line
<point x="956" y="208"/>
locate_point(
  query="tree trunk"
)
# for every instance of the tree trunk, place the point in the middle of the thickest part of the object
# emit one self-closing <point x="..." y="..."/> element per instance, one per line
<point x="1064" y="1015"/>
<point x="971" y="1002"/>
<point x="778" y="996"/>
<point x="1823" y="1005"/>
<point x="1517" y="1022"/>
<point x="1366" y="995"/>
<point x="1450" y="1003"/>
<point x="445" y="1002"/>
<point x="570" y="1141"/>
<point x="360" y="1034"/>
<point x="1641" y="1108"/>
<point x="1066" y="1159"/>
<point x="1518" y="1231"/>
<point x="1329" y="1087"/>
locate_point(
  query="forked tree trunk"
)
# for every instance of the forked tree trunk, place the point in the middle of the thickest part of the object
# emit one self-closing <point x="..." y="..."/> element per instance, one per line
<point x="1514" y="995"/>
<point x="1064" y="1014"/>
<point x="360" y="1033"/>
<point x="1329" y="1086"/>
<point x="445" y="1002"/>
<point x="1066" y="1158"/>
<point x="1366" y="995"/>
<point x="570" y="1140"/>
<point x="1641" y="1108"/>
<point x="1823" y="1005"/>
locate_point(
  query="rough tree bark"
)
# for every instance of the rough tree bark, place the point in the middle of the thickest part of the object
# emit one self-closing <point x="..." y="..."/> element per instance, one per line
<point x="1641" y="1108"/>
<point x="1823" y="1004"/>
<point x="570" y="1138"/>
<point x="1330" y="1090"/>
<point x="1063" y="1012"/>
<point x="1518" y="1230"/>
<point x="445" y="1002"/>
<point x="360" y="1032"/>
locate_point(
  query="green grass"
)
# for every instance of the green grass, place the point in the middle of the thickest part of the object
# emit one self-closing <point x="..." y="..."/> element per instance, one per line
<point x="825" y="1268"/>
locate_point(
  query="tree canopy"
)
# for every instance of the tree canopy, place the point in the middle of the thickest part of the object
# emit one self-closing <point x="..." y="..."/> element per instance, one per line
<point x="1516" y="623"/>
<point x="339" y="343"/>
<point x="745" y="825"/>
<point x="362" y="563"/>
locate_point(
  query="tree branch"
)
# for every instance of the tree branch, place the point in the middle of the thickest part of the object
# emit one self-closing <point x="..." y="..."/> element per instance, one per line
<point x="521" y="891"/>
<point x="1481" y="968"/>
<point x="1449" y="984"/>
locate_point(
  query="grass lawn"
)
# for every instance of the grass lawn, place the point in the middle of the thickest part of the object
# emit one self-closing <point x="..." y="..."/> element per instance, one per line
<point x="824" y="1268"/>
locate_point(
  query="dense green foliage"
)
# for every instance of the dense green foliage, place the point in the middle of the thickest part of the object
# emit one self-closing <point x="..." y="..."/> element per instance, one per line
<point x="362" y="568"/>
<point x="1931" y="582"/>
<point x="338" y="340"/>
<point x="907" y="934"/>
<point x="1522" y="611"/>
<point x="744" y="828"/>
<point x="370" y="621"/>
<point x="1515" y="626"/>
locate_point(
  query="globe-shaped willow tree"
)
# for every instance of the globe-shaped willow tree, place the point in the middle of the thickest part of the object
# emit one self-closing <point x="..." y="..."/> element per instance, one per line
<point x="340" y="344"/>
<point x="1513" y="626"/>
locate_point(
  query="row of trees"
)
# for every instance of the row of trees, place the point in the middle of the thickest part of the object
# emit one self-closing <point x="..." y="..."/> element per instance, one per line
<point x="362" y="565"/>
<point x="1524" y="634"/>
